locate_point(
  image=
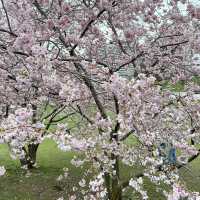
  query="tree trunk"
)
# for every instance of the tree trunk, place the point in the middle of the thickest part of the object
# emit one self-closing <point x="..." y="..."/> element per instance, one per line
<point x="107" y="180"/>
<point x="116" y="188"/>
<point x="30" y="156"/>
<point x="31" y="150"/>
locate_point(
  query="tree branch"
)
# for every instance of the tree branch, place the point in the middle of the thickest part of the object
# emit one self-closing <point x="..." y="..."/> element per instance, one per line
<point x="116" y="35"/>
<point x="6" y="31"/>
<point x="129" y="62"/>
<point x="174" y="44"/>
<point x="87" y="27"/>
<point x="8" y="21"/>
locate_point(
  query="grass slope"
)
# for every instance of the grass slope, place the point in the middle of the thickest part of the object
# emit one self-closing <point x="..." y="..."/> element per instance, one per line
<point x="41" y="185"/>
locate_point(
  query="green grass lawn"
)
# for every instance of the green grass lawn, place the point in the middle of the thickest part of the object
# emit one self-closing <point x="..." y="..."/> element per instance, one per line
<point x="42" y="184"/>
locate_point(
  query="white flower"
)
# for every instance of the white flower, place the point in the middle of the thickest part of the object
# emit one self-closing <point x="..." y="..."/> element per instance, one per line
<point x="139" y="180"/>
<point x="66" y="174"/>
<point x="64" y="147"/>
<point x="77" y="162"/>
<point x="78" y="144"/>
<point x="103" y="193"/>
<point x="1" y="140"/>
<point x="82" y="183"/>
<point x="2" y="170"/>
<point x="134" y="184"/>
<point x="39" y="125"/>
<point x="61" y="198"/>
<point x="59" y="178"/>
<point x="73" y="197"/>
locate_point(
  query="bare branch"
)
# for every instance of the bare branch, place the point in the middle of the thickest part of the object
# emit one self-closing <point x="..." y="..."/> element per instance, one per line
<point x="6" y="31"/>
<point x="62" y="118"/>
<point x="174" y="44"/>
<point x="8" y="21"/>
<point x="129" y="62"/>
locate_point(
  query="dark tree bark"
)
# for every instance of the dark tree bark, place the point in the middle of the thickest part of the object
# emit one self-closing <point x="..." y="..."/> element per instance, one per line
<point x="30" y="156"/>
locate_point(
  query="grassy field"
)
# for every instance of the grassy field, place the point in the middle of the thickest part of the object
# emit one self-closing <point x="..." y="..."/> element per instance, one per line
<point x="42" y="184"/>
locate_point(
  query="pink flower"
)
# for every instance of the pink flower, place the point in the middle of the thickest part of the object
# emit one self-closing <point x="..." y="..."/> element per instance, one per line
<point x="79" y="145"/>
<point x="64" y="21"/>
<point x="50" y="24"/>
<point x="65" y="7"/>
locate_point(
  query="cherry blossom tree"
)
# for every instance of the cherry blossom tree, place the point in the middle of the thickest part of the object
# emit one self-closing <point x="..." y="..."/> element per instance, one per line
<point x="107" y="62"/>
